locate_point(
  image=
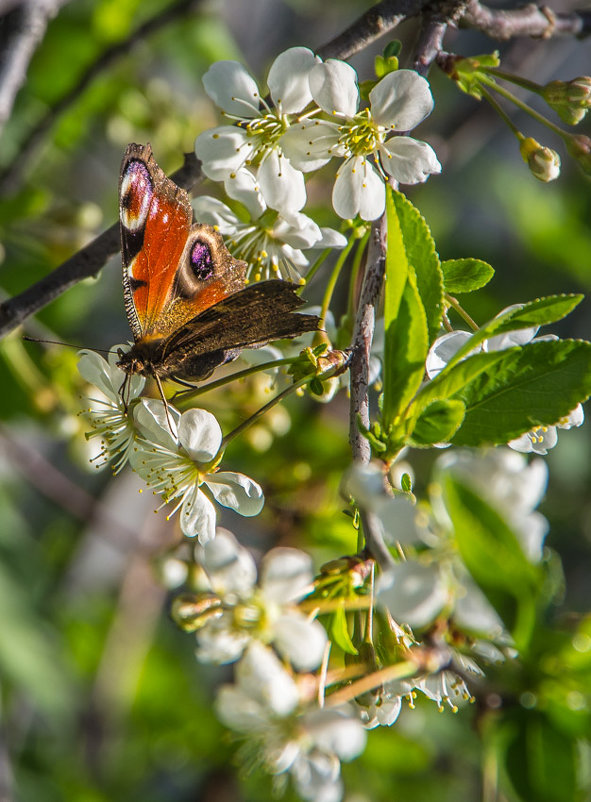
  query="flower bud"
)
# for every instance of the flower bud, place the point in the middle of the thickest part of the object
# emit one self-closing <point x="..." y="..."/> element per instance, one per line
<point x="191" y="612"/>
<point x="543" y="162"/>
<point x="579" y="147"/>
<point x="569" y="99"/>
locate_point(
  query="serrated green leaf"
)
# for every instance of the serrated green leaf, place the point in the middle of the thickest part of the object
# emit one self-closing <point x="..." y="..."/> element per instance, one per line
<point x="339" y="631"/>
<point x="540" y="312"/>
<point x="438" y="422"/>
<point x="405" y="351"/>
<point x="397" y="266"/>
<point x="465" y="275"/>
<point x="452" y="380"/>
<point x="533" y="385"/>
<point x="492" y="553"/>
<point x="423" y="259"/>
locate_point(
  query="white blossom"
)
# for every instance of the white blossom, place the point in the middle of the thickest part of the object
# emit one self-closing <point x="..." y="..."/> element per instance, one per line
<point x="108" y="413"/>
<point x="271" y="243"/>
<point x="265" y="705"/>
<point x="397" y="103"/>
<point x="181" y="466"/>
<point x="253" y="138"/>
<point x="266" y="611"/>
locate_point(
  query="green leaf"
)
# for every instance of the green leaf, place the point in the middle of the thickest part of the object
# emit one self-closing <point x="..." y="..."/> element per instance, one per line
<point x="405" y="351"/>
<point x="437" y="423"/>
<point x="492" y="553"/>
<point x="535" y="313"/>
<point x="452" y="380"/>
<point x="397" y="266"/>
<point x="339" y="631"/>
<point x="422" y="257"/>
<point x="541" y="760"/>
<point x="465" y="275"/>
<point x="533" y="385"/>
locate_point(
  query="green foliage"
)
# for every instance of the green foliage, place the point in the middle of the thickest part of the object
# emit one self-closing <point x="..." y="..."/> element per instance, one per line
<point x="465" y="275"/>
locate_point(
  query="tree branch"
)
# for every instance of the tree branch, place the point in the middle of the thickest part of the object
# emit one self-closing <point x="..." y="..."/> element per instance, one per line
<point x="531" y="20"/>
<point x="377" y="21"/>
<point x="363" y="337"/>
<point x="21" y="29"/>
<point x="12" y="175"/>
<point x="86" y="262"/>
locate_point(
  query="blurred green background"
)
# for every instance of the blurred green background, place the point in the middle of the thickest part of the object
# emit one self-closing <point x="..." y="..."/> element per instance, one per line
<point x="102" y="698"/>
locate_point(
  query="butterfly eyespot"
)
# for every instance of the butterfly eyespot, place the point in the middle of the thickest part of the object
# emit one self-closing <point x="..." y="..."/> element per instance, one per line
<point x="201" y="260"/>
<point x="136" y="195"/>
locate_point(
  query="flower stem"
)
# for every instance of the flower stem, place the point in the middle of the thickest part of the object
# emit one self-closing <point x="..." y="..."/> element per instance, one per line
<point x="315" y="267"/>
<point x="260" y="412"/>
<point x="332" y="281"/>
<point x="518" y="80"/>
<point x="185" y="395"/>
<point x="490" y="82"/>
<point x="401" y="670"/>
<point x="461" y="311"/>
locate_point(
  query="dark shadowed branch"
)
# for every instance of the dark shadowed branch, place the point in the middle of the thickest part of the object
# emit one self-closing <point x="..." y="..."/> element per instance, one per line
<point x="22" y="27"/>
<point x="11" y="176"/>
<point x="83" y="264"/>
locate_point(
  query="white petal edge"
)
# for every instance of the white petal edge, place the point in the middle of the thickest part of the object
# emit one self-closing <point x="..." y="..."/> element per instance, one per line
<point x="200" y="434"/>
<point x="288" y="79"/>
<point x="232" y="88"/>
<point x="401" y="100"/>
<point x="409" y="160"/>
<point x="237" y="491"/>
<point x="334" y="87"/>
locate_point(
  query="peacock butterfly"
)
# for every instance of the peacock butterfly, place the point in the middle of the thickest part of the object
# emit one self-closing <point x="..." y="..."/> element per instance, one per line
<point x="186" y="297"/>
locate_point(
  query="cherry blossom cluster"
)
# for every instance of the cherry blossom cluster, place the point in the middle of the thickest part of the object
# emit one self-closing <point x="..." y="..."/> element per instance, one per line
<point x="311" y="115"/>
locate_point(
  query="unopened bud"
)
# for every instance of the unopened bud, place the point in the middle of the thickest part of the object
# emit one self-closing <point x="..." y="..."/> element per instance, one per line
<point x="569" y="99"/>
<point x="543" y="162"/>
<point x="579" y="147"/>
<point x="191" y="612"/>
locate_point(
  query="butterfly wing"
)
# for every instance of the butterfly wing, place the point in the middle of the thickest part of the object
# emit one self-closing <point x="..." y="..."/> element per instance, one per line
<point x="172" y="270"/>
<point x="250" y="318"/>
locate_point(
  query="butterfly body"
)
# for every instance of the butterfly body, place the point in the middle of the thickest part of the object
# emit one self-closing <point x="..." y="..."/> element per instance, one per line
<point x="186" y="298"/>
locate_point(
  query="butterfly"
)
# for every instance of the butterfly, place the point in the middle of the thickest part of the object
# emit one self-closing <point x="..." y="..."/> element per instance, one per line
<point x="187" y="301"/>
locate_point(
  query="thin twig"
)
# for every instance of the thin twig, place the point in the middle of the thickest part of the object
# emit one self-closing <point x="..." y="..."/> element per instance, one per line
<point x="22" y="27"/>
<point x="86" y="262"/>
<point x="10" y="178"/>
<point x="377" y="21"/>
<point x="531" y="20"/>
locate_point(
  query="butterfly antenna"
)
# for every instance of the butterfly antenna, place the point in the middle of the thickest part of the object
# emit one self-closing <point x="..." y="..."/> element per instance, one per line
<point x="68" y="345"/>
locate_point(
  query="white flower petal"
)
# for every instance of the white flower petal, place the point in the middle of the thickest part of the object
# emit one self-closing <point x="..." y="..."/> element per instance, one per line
<point x="237" y="491"/>
<point x="397" y="516"/>
<point x="300" y="641"/>
<point x="413" y="593"/>
<point x="408" y="160"/>
<point x="213" y="211"/>
<point x="242" y="186"/>
<point x="334" y="87"/>
<point x="311" y="144"/>
<point x="316" y="777"/>
<point x="222" y="151"/>
<point x="107" y="376"/>
<point x="261" y="675"/>
<point x="443" y="350"/>
<point x="229" y="566"/>
<point x="388" y="712"/>
<point x="282" y="185"/>
<point x="297" y="230"/>
<point x="288" y="79"/>
<point x="200" y="434"/>
<point x="336" y="731"/>
<point x="402" y="99"/>
<point x="474" y="613"/>
<point x="286" y="575"/>
<point x="231" y="88"/>
<point x="218" y="643"/>
<point x="329" y="238"/>
<point x="197" y="517"/>
<point x="358" y="189"/>
<point x="239" y="712"/>
<point x="154" y="424"/>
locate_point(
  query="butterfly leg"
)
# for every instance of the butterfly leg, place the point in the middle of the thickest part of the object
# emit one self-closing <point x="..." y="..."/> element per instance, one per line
<point x="165" y="402"/>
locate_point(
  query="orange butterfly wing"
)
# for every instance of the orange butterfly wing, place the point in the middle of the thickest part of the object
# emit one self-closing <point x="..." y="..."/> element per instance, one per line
<point x="172" y="270"/>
